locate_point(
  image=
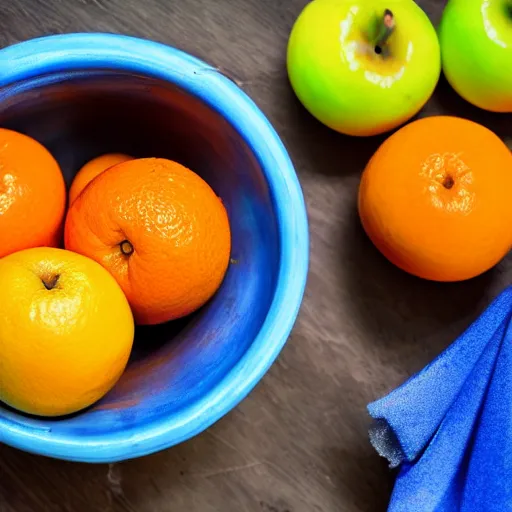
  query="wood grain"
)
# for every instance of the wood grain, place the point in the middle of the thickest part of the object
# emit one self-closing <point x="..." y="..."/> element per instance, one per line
<point x="298" y="443"/>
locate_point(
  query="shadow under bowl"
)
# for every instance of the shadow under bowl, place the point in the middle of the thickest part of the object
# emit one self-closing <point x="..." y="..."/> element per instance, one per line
<point x="82" y="95"/>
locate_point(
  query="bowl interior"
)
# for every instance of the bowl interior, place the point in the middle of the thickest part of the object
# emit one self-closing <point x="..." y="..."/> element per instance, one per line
<point x="80" y="115"/>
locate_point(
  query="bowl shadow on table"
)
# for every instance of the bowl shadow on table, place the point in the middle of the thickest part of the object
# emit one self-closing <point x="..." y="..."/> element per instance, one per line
<point x="129" y="485"/>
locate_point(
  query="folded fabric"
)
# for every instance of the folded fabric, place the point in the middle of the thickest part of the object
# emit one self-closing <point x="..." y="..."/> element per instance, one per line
<point x="449" y="427"/>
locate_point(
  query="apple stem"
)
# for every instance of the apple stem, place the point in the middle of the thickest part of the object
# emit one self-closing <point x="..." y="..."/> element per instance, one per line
<point x="386" y="28"/>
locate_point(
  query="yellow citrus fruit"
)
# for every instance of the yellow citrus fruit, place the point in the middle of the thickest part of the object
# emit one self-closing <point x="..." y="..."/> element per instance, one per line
<point x="92" y="169"/>
<point x="66" y="331"/>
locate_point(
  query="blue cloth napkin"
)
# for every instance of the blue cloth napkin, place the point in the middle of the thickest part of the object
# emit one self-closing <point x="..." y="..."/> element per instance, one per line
<point x="449" y="428"/>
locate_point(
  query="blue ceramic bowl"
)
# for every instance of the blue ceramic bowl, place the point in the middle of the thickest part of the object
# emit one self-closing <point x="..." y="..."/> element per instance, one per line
<point x="85" y="94"/>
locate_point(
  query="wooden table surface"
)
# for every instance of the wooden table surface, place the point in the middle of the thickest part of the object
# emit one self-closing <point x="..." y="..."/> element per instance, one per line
<point x="298" y="443"/>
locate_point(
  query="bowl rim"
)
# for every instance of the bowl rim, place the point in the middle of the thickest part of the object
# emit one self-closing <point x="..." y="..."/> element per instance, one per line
<point x="82" y="51"/>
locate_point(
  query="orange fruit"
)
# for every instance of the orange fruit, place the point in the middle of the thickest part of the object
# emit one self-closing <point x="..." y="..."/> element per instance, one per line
<point x="32" y="194"/>
<point x="92" y="169"/>
<point x="160" y="230"/>
<point x="435" y="198"/>
<point x="66" y="331"/>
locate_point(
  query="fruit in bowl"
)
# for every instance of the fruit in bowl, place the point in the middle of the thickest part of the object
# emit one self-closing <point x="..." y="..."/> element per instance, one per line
<point x="32" y="194"/>
<point x="66" y="331"/>
<point x="441" y="209"/>
<point x="102" y="93"/>
<point x="92" y="169"/>
<point x="363" y="67"/>
<point x="476" y="48"/>
<point x="160" y="230"/>
<point x="157" y="228"/>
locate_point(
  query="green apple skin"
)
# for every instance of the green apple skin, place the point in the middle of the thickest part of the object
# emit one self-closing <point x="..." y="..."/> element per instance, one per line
<point x="354" y="92"/>
<point x="476" y="51"/>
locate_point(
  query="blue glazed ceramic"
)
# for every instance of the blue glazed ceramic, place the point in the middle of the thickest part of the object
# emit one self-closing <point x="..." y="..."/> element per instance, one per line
<point x="85" y="94"/>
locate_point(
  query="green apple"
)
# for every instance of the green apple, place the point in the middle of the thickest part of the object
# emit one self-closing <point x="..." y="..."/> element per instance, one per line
<point x="476" y="49"/>
<point x="355" y="75"/>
